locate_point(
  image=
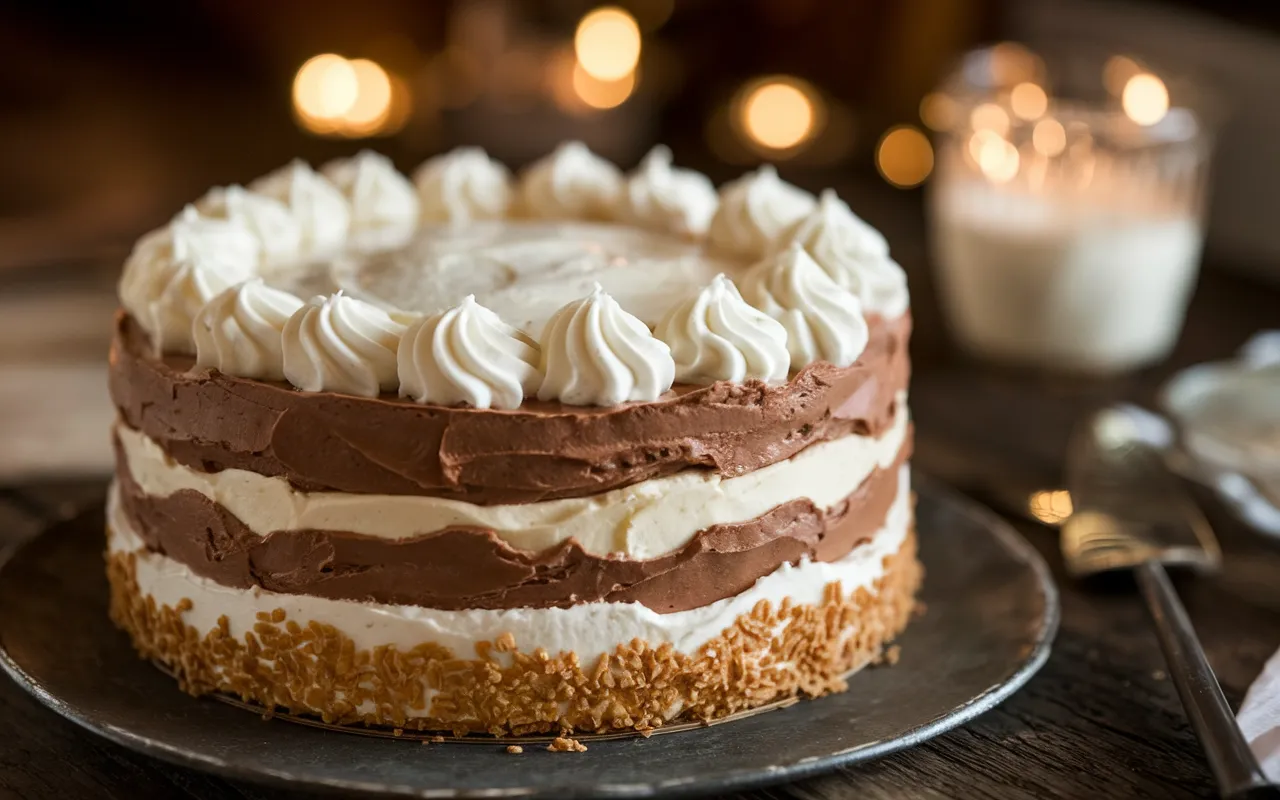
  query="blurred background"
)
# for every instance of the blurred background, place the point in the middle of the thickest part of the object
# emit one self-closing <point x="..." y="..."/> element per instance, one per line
<point x="118" y="113"/>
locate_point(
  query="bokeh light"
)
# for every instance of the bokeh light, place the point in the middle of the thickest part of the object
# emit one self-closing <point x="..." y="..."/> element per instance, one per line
<point x="373" y="95"/>
<point x="1145" y="99"/>
<point x="989" y="117"/>
<point x="1028" y="101"/>
<point x="602" y="94"/>
<point x="939" y="111"/>
<point x="1011" y="63"/>
<point x="1051" y="507"/>
<point x="1117" y="72"/>
<point x="779" y="113"/>
<point x="996" y="156"/>
<point x="904" y="156"/>
<point x="575" y="91"/>
<point x="1048" y="137"/>
<point x="607" y="43"/>
<point x="350" y="98"/>
<point x="325" y="87"/>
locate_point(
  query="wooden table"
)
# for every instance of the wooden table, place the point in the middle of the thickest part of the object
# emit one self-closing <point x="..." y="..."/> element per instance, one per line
<point x="1101" y="719"/>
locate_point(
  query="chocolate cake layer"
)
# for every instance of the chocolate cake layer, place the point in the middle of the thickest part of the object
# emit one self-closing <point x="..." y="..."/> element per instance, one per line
<point x="328" y="442"/>
<point x="459" y="568"/>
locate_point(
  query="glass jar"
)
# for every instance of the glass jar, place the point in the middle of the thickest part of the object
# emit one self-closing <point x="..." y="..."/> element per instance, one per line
<point x="1067" y="209"/>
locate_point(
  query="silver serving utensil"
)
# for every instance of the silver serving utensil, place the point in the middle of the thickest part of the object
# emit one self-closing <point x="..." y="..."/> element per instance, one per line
<point x="1130" y="512"/>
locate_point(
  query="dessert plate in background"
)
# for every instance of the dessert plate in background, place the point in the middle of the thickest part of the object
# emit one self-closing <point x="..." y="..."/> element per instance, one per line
<point x="1228" y="423"/>
<point x="992" y="611"/>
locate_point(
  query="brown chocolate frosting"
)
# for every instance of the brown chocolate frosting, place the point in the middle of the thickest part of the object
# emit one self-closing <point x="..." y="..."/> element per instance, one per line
<point x="458" y="568"/>
<point x="325" y="441"/>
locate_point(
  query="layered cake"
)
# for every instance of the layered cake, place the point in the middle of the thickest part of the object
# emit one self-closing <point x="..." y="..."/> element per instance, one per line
<point x="568" y="451"/>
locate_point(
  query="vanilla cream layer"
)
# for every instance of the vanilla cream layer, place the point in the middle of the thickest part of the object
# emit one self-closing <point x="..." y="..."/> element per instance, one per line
<point x="646" y="520"/>
<point x="587" y="629"/>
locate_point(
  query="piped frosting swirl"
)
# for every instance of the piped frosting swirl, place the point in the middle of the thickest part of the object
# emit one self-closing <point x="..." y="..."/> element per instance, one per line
<point x="661" y="197"/>
<point x="321" y="211"/>
<point x="570" y="183"/>
<point x="462" y="185"/>
<point x="239" y="331"/>
<point x="172" y="272"/>
<point x="594" y="353"/>
<point x="754" y="209"/>
<point x="341" y="344"/>
<point x="467" y="355"/>
<point x="716" y="336"/>
<point x="381" y="198"/>
<point x="854" y="254"/>
<point x="268" y="219"/>
<point x="823" y="321"/>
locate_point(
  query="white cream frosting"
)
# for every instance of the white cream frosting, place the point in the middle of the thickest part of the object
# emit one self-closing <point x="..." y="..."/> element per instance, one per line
<point x="716" y="336"/>
<point x="754" y="209"/>
<point x="341" y="344"/>
<point x="525" y="270"/>
<point x="645" y="520"/>
<point x="853" y="253"/>
<point x="467" y="355"/>
<point x="322" y="213"/>
<point x="277" y="231"/>
<point x="588" y="629"/>
<point x="661" y="197"/>
<point x="463" y="185"/>
<point x="381" y="198"/>
<point x="239" y="331"/>
<point x="824" y="322"/>
<point x="596" y="354"/>
<point x="172" y="272"/>
<point x="570" y="183"/>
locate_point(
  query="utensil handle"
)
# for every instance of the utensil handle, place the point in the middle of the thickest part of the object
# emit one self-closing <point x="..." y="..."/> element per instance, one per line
<point x="1230" y="758"/>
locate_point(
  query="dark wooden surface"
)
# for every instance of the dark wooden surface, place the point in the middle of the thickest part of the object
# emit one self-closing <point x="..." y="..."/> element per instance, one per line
<point x="1101" y="719"/>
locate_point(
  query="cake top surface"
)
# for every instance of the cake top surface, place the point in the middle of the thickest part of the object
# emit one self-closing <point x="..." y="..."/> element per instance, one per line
<point x="465" y="286"/>
<point x="523" y="270"/>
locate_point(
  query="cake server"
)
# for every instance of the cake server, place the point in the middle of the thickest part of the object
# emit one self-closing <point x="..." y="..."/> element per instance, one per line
<point x="1130" y="512"/>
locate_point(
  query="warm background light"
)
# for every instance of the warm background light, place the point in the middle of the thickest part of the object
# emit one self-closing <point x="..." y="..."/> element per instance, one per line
<point x="904" y="156"/>
<point x="939" y="111"/>
<point x="1028" y="101"/>
<point x="1145" y="99"/>
<point x="607" y="43"/>
<point x="778" y="114"/>
<point x="1012" y="63"/>
<point x="1117" y="72"/>
<point x="1051" y="506"/>
<point x="602" y="94"/>
<point x="989" y="117"/>
<point x="373" y="95"/>
<point x="351" y="98"/>
<point x="1049" y="138"/>
<point x="997" y="158"/>
<point x="325" y="87"/>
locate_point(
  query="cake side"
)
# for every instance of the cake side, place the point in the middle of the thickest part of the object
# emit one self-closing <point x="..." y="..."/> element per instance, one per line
<point x="385" y="445"/>
<point x="580" y="452"/>
<point x="596" y="667"/>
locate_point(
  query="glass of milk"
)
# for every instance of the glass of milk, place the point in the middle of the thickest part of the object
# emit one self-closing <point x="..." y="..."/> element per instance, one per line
<point x="1067" y="209"/>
